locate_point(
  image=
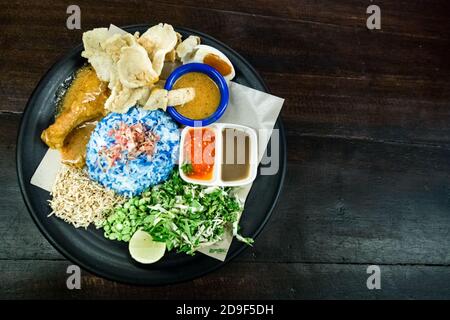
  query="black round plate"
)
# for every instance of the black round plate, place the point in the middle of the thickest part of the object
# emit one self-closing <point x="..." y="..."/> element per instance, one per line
<point x="88" y="248"/>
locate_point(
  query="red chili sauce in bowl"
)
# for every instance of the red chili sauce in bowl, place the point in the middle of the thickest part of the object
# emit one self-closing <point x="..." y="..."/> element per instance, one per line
<point x="199" y="153"/>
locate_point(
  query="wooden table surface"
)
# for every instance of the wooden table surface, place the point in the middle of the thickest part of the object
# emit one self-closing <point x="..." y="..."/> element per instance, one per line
<point x="367" y="118"/>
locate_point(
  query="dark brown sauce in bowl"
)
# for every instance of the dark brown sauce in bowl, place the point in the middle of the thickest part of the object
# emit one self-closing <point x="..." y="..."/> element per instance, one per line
<point x="235" y="155"/>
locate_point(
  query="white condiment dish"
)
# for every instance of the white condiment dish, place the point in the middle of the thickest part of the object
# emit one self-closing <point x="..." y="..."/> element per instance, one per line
<point x="216" y="179"/>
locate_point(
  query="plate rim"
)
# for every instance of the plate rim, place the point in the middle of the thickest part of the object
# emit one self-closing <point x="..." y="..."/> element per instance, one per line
<point x="68" y="255"/>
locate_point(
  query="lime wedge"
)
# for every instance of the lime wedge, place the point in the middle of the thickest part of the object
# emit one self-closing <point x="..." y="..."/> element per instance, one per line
<point x="144" y="250"/>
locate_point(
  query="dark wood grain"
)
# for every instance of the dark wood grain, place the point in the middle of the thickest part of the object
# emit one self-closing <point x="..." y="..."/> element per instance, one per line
<point x="47" y="279"/>
<point x="425" y="19"/>
<point x="367" y="80"/>
<point x="367" y="118"/>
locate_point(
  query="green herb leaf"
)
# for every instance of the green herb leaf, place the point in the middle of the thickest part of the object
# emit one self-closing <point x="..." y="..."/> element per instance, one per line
<point x="187" y="168"/>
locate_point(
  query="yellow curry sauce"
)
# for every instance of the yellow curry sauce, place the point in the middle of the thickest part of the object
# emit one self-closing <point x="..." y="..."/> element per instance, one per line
<point x="82" y="105"/>
<point x="207" y="95"/>
<point x="74" y="150"/>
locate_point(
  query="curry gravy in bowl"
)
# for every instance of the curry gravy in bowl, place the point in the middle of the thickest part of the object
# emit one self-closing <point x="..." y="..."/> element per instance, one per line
<point x="211" y="94"/>
<point x="207" y="96"/>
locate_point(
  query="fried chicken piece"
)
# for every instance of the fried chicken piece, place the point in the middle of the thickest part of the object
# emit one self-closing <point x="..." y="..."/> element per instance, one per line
<point x="84" y="101"/>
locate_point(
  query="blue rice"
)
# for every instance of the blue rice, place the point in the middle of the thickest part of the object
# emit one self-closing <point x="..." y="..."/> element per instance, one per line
<point x="132" y="177"/>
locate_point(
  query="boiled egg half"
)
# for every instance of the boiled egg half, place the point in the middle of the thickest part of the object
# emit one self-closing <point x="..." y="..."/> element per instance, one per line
<point x="214" y="58"/>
